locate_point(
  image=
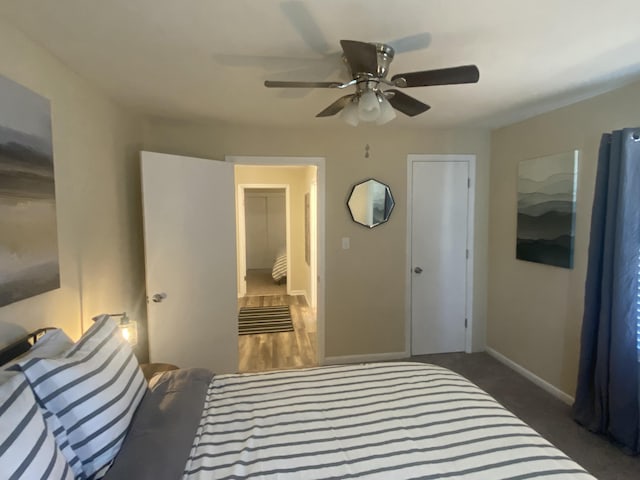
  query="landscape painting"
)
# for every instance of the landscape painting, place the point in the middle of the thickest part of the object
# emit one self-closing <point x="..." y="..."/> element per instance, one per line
<point x="546" y="209"/>
<point x="28" y="233"/>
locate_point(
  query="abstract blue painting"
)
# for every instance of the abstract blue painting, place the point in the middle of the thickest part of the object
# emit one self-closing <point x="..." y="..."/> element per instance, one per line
<point x="546" y="209"/>
<point x="28" y="232"/>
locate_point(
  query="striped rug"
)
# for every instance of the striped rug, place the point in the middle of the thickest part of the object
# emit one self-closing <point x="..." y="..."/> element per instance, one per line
<point x="254" y="320"/>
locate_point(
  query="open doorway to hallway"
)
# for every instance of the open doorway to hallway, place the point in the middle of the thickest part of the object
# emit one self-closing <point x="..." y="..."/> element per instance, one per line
<point x="266" y="213"/>
<point x="277" y="266"/>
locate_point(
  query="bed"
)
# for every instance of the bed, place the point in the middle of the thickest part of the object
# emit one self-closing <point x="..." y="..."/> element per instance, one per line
<point x="279" y="270"/>
<point x="380" y="420"/>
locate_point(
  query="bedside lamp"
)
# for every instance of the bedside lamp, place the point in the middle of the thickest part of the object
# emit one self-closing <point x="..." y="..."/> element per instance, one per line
<point x="128" y="327"/>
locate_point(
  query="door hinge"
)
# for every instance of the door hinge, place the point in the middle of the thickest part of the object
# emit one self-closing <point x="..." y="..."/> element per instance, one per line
<point x="467" y="253"/>
<point x="468" y="183"/>
<point x="465" y="323"/>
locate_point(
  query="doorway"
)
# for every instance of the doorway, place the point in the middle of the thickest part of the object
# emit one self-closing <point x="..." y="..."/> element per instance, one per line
<point x="440" y="253"/>
<point x="264" y="237"/>
<point x="290" y="271"/>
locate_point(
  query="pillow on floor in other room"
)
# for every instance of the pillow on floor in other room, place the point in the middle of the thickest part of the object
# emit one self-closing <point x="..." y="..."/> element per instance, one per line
<point x="27" y="446"/>
<point x="94" y="390"/>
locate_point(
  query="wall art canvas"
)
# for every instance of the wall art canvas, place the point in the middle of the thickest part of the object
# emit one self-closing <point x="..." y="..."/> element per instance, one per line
<point x="546" y="209"/>
<point x="28" y="231"/>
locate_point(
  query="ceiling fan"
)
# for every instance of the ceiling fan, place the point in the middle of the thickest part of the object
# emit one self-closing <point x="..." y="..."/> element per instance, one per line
<point x="368" y="65"/>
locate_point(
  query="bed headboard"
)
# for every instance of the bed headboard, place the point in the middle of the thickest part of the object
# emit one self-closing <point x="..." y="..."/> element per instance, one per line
<point x="21" y="345"/>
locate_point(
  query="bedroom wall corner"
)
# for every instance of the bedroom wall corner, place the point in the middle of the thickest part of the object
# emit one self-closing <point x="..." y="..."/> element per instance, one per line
<point x="534" y="310"/>
<point x="96" y="144"/>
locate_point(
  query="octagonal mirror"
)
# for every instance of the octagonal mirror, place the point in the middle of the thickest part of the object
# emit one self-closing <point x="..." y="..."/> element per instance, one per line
<point x="370" y="203"/>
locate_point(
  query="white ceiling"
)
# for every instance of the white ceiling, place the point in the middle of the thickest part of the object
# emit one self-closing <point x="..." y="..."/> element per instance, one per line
<point x="196" y="59"/>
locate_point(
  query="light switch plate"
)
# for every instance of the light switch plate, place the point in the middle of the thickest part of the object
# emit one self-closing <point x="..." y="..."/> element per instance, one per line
<point x="346" y="243"/>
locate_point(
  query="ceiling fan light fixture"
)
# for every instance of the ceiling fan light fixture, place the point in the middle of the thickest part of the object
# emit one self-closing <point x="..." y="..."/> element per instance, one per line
<point x="350" y="114"/>
<point x="368" y="106"/>
<point x="368" y="65"/>
<point x="387" y="112"/>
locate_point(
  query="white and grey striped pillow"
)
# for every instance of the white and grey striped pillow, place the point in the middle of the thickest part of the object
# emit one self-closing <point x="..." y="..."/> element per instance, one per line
<point x="27" y="447"/>
<point x="94" y="391"/>
<point x="52" y="344"/>
<point x="60" y="435"/>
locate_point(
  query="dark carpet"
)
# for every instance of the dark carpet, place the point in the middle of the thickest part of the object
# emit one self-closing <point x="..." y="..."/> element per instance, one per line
<point x="544" y="413"/>
<point x="256" y="320"/>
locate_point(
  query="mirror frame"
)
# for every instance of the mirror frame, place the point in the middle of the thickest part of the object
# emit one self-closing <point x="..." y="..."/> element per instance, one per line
<point x="388" y="194"/>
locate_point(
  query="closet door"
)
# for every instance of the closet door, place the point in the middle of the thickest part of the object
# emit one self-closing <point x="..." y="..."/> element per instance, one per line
<point x="276" y="223"/>
<point x="255" y="207"/>
<point x="439" y="256"/>
<point x="265" y="227"/>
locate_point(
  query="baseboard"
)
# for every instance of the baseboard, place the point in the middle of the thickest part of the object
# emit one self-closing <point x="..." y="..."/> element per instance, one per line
<point x="555" y="391"/>
<point x="301" y="292"/>
<point x="370" y="357"/>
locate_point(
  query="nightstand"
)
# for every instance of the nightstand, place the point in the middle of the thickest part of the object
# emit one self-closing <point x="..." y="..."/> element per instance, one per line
<point x="151" y="369"/>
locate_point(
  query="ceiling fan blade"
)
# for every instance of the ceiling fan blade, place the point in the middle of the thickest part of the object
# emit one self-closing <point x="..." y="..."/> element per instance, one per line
<point x="443" y="76"/>
<point x="278" y="84"/>
<point x="302" y="20"/>
<point x="267" y="63"/>
<point x="362" y="57"/>
<point x="336" y="106"/>
<point x="410" y="43"/>
<point x="405" y="103"/>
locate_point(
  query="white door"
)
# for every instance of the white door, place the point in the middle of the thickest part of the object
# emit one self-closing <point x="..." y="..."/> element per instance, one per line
<point x="438" y="256"/>
<point x="190" y="254"/>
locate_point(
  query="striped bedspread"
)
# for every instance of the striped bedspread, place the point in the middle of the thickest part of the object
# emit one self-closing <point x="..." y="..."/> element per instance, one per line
<point x="384" y="421"/>
<point x="279" y="270"/>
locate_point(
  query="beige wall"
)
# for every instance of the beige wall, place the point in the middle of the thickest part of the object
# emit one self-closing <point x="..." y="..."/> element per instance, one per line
<point x="535" y="311"/>
<point x="97" y="191"/>
<point x="365" y="286"/>
<point x="297" y="179"/>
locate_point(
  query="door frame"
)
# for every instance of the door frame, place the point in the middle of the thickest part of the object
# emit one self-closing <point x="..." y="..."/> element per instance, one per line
<point x="313" y="232"/>
<point x="242" y="231"/>
<point x="470" y="159"/>
<point x="319" y="163"/>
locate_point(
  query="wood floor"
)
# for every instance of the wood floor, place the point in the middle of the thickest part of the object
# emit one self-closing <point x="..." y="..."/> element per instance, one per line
<point x="271" y="351"/>
<point x="260" y="282"/>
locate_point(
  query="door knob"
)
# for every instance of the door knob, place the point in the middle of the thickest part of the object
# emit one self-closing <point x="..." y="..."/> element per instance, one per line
<point x="158" y="297"/>
<point x="417" y="270"/>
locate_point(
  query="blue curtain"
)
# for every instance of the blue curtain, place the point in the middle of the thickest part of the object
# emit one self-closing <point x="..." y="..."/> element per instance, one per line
<point x="608" y="392"/>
